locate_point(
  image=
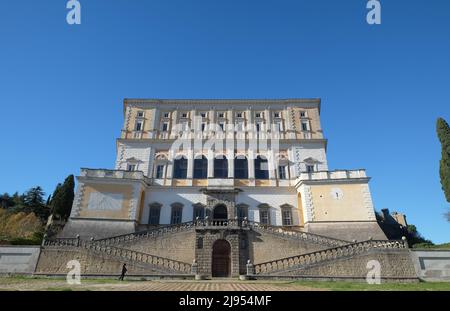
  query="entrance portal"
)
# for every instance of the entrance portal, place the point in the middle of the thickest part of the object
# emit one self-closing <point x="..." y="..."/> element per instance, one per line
<point x="221" y="259"/>
<point x="220" y="212"/>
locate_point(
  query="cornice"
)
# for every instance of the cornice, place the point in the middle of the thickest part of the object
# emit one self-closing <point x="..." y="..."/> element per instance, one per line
<point x="313" y="102"/>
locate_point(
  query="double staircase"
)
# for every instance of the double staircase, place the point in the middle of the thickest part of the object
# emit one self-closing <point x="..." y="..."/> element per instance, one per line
<point x="112" y="247"/>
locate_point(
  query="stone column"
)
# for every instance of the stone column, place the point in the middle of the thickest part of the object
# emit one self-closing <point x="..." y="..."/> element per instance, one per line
<point x="210" y="164"/>
<point x="251" y="164"/>
<point x="271" y="164"/>
<point x="170" y="164"/>
<point x="268" y="118"/>
<point x="190" y="164"/>
<point x="230" y="157"/>
<point x="173" y="122"/>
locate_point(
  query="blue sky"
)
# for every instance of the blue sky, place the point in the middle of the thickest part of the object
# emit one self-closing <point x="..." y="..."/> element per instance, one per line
<point x="382" y="87"/>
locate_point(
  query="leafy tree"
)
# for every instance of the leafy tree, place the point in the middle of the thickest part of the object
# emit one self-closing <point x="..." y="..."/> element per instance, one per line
<point x="414" y="237"/>
<point x="6" y="201"/>
<point x="62" y="198"/>
<point x="33" y="201"/>
<point x="443" y="132"/>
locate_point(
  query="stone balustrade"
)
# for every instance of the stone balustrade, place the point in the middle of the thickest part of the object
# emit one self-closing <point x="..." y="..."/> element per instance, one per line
<point x="306" y="236"/>
<point x="116" y="174"/>
<point x="327" y="175"/>
<point x="122" y="253"/>
<point x="304" y="260"/>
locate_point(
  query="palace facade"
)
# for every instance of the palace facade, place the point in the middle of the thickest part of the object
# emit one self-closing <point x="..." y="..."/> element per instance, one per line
<point x="262" y="161"/>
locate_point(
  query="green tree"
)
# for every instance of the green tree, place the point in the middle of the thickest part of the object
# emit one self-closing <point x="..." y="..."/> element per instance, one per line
<point x="443" y="132"/>
<point x="414" y="237"/>
<point x="62" y="198"/>
<point x="6" y="201"/>
<point x="33" y="201"/>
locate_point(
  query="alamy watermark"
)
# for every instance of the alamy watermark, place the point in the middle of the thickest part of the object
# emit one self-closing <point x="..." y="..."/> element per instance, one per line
<point x="374" y="274"/>
<point x="74" y="14"/>
<point x="374" y="15"/>
<point x="74" y="275"/>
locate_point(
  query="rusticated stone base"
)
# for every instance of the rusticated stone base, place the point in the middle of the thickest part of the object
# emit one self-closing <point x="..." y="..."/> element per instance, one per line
<point x="395" y="264"/>
<point x="348" y="231"/>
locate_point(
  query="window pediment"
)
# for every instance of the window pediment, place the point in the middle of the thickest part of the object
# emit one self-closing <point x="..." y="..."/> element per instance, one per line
<point x="264" y="205"/>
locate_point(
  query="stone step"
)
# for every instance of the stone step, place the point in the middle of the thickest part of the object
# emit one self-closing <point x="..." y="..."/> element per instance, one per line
<point x="327" y="255"/>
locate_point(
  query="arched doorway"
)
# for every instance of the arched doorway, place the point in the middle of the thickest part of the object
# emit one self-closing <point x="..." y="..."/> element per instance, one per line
<point x="220" y="212"/>
<point x="221" y="259"/>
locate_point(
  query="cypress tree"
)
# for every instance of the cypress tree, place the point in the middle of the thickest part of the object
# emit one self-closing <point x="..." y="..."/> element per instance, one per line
<point x="443" y="132"/>
<point x="62" y="198"/>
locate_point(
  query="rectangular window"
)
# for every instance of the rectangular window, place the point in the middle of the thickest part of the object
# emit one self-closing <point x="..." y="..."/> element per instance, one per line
<point x="282" y="172"/>
<point x="310" y="168"/>
<point x="140" y="114"/>
<point x="264" y="216"/>
<point x="305" y="126"/>
<point x="199" y="212"/>
<point x="258" y="115"/>
<point x="222" y="126"/>
<point x="302" y="114"/>
<point x="258" y="127"/>
<point x="203" y="127"/>
<point x="242" y="212"/>
<point x="239" y="126"/>
<point x="184" y="126"/>
<point x="165" y="114"/>
<point x="131" y="167"/>
<point x="165" y="127"/>
<point x="155" y="211"/>
<point x="278" y="126"/>
<point x="287" y="217"/>
<point x="159" y="171"/>
<point x="184" y="115"/>
<point x="276" y="115"/>
<point x="239" y="115"/>
<point x="138" y="126"/>
<point x="203" y="114"/>
<point x="176" y="215"/>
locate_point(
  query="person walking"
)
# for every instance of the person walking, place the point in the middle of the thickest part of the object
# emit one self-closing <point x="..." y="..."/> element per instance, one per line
<point x="124" y="270"/>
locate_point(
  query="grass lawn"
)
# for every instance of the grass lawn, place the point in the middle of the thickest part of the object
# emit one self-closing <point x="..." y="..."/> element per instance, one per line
<point x="59" y="284"/>
<point x="356" y="286"/>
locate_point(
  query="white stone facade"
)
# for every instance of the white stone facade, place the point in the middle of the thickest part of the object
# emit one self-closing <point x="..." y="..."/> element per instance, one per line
<point x="264" y="160"/>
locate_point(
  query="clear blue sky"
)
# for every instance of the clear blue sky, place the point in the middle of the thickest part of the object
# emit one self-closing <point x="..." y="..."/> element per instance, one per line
<point x="382" y="87"/>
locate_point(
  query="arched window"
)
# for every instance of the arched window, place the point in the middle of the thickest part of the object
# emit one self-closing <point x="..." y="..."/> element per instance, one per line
<point x="240" y="167"/>
<point x="201" y="168"/>
<point x="220" y="167"/>
<point x="180" y="168"/>
<point x="261" y="168"/>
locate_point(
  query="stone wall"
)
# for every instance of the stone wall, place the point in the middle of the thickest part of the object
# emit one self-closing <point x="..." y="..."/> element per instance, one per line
<point x="18" y="259"/>
<point x="54" y="261"/>
<point x="349" y="231"/>
<point x="177" y="246"/>
<point x="265" y="247"/>
<point x="432" y="265"/>
<point x="204" y="250"/>
<point x="396" y="264"/>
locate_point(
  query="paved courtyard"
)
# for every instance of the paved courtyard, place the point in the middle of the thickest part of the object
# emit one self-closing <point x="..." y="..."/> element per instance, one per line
<point x="22" y="284"/>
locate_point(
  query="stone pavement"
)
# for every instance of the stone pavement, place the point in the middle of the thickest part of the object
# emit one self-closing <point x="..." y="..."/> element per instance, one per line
<point x="24" y="284"/>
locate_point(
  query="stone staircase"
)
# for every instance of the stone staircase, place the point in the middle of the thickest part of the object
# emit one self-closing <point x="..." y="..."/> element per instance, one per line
<point x="148" y="261"/>
<point x="147" y="234"/>
<point x="298" y="235"/>
<point x="222" y="224"/>
<point x="328" y="255"/>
